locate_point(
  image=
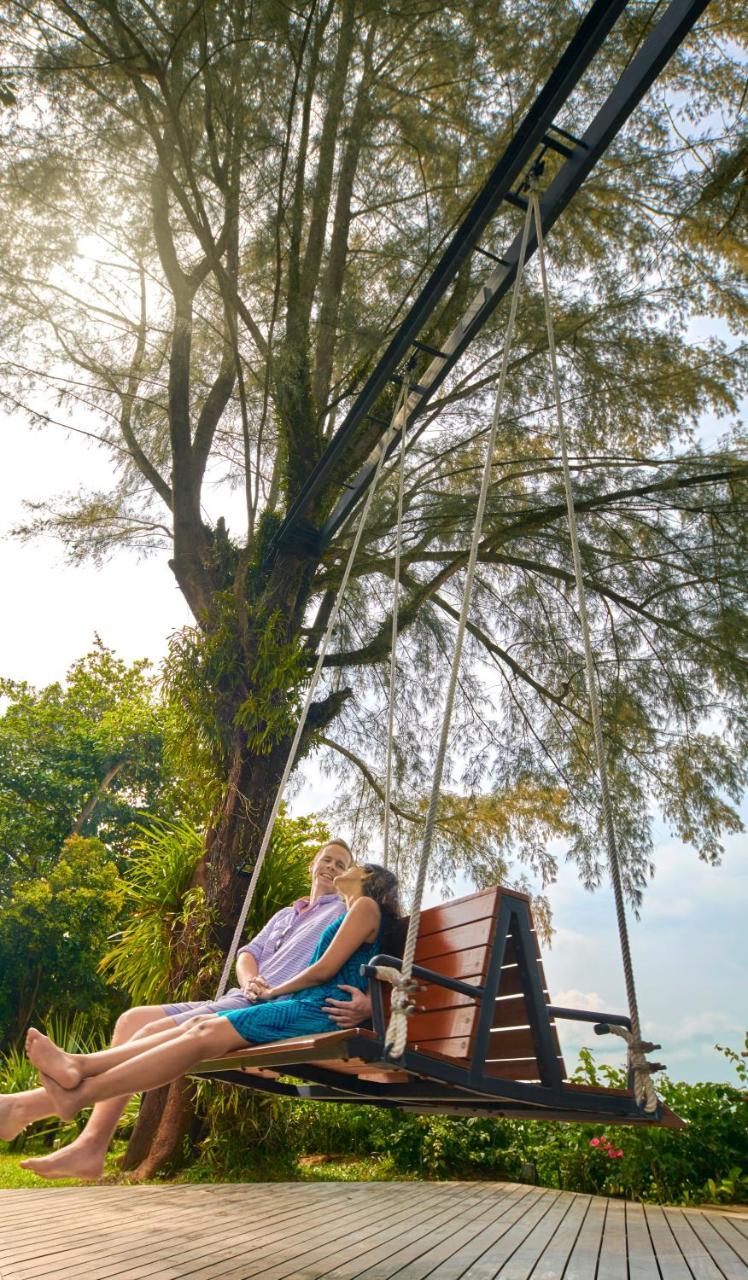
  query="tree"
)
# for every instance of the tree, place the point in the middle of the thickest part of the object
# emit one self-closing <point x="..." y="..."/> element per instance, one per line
<point x="79" y="758"/>
<point x="53" y="932"/>
<point x="216" y="212"/>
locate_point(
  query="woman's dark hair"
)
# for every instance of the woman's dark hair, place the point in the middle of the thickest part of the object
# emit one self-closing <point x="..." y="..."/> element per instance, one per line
<point x="381" y="885"/>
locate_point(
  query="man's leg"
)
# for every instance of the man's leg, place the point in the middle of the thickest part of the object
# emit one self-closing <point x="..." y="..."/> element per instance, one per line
<point x="84" y="1158"/>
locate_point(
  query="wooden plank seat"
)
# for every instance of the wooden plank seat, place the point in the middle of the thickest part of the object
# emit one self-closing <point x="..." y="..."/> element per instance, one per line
<point x="483" y="1039"/>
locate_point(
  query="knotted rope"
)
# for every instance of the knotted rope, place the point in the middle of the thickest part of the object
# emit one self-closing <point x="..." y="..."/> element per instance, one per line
<point x="402" y="1005"/>
<point x="639" y="1068"/>
<point x="400" y="404"/>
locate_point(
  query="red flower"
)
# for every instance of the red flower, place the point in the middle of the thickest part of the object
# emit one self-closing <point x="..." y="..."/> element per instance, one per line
<point x="594" y="1142"/>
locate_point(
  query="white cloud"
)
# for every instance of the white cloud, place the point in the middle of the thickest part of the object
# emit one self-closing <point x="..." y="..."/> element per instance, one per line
<point x="706" y="1025"/>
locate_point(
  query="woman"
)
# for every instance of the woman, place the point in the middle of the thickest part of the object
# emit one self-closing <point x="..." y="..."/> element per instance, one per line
<point x="371" y="924"/>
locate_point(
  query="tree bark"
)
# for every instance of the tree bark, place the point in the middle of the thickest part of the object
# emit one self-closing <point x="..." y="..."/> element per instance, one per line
<point x="164" y="1119"/>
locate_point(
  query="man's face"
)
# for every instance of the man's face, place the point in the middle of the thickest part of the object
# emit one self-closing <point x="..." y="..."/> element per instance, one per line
<point x="329" y="863"/>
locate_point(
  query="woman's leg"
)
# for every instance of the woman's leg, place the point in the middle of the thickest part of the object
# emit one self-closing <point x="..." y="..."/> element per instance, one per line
<point x="19" y="1110"/>
<point x="167" y="1061"/>
<point x="68" y="1069"/>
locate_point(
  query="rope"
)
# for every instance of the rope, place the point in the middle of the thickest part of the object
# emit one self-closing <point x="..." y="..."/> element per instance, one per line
<point x="644" y="1090"/>
<point x="393" y="643"/>
<point x="290" y="762"/>
<point x="402" y="1007"/>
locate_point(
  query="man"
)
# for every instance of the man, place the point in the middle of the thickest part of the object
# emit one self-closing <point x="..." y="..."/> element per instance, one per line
<point x="280" y="951"/>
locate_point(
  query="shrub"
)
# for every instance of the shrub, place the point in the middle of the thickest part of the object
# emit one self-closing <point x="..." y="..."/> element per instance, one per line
<point x="707" y="1160"/>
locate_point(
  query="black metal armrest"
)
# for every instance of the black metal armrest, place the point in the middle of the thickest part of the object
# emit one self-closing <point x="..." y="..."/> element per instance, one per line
<point x="602" y="1020"/>
<point x="423" y="975"/>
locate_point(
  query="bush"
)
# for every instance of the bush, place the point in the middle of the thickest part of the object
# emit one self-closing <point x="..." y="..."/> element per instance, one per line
<point x="708" y="1160"/>
<point x="53" y="931"/>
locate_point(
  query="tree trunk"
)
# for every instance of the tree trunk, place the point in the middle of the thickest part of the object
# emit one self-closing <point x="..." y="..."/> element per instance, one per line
<point x="164" y="1119"/>
<point x="232" y="842"/>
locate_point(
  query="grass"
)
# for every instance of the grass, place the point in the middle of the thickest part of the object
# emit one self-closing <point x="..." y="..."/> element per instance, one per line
<point x="12" y="1175"/>
<point x="374" y="1169"/>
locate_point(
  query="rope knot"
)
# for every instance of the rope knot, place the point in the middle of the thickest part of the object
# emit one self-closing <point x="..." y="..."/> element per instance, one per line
<point x="640" y="1070"/>
<point x="402" y="1006"/>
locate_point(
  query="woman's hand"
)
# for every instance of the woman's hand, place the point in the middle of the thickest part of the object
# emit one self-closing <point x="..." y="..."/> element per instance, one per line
<point x="256" y="989"/>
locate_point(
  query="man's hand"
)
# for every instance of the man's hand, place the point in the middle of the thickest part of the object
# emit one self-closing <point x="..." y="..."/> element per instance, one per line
<point x="349" y="1013"/>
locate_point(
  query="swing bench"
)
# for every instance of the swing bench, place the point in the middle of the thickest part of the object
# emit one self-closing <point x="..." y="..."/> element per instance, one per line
<point x="483" y="1040"/>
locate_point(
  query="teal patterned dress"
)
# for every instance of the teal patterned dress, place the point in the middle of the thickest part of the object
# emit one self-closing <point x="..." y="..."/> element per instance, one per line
<point x="301" y="1014"/>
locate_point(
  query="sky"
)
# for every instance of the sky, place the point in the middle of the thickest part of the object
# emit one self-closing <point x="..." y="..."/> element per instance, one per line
<point x="689" y="946"/>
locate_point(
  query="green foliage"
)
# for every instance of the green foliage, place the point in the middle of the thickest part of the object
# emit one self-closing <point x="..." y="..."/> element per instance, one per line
<point x="234" y="675"/>
<point x="53" y="931"/>
<point x="271" y="710"/>
<point x="161" y="904"/>
<point x="82" y="754"/>
<point x="705" y="1161"/>
<point x="165" y="906"/>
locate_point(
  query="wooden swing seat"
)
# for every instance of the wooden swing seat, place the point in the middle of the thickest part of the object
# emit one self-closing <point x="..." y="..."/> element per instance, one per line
<point x="483" y="1041"/>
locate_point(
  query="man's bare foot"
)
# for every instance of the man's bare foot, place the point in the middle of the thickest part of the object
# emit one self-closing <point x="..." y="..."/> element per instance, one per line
<point x="66" y="1102"/>
<point x="51" y="1061"/>
<point x="75" y="1161"/>
<point x="13" y="1117"/>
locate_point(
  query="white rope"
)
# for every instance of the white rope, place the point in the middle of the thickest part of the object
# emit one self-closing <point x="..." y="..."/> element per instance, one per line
<point x="397" y="1030"/>
<point x="393" y="642"/>
<point x="641" y="1070"/>
<point x="290" y="762"/>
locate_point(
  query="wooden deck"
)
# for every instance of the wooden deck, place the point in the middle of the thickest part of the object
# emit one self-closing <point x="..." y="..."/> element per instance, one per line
<point x="359" y="1231"/>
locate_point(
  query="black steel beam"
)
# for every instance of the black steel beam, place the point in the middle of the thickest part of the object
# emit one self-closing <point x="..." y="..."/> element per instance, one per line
<point x="532" y="133"/>
<point x="636" y="80"/>
<point x="585" y="43"/>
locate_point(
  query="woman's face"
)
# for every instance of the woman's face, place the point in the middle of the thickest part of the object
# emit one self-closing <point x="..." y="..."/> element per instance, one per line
<point x="351" y="879"/>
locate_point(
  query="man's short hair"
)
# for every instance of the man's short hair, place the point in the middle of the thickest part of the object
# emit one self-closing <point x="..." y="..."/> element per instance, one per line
<point x="339" y="841"/>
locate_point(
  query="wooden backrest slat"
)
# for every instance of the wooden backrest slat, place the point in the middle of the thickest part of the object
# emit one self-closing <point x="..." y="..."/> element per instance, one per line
<point x="455" y="940"/>
<point x="477" y="906"/>
<point x="476" y="933"/>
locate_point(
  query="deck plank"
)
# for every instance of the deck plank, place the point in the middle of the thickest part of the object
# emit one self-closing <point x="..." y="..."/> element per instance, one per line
<point x="613" y="1263"/>
<point x="730" y="1230"/>
<point x="640" y="1250"/>
<point x="358" y="1231"/>
<point x="496" y="1251"/>
<point x="582" y="1264"/>
<point x="670" y="1260"/>
<point x="699" y="1259"/>
<point x="719" y="1251"/>
<point x="558" y="1252"/>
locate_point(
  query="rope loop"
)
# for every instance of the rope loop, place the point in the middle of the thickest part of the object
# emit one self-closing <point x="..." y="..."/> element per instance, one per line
<point x="401" y="1008"/>
<point x="640" y="1070"/>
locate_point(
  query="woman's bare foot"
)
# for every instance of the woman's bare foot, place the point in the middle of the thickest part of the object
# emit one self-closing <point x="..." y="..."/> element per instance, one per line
<point x="79" y="1160"/>
<point x="13" y="1117"/>
<point x="66" y="1102"/>
<point x="51" y="1061"/>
